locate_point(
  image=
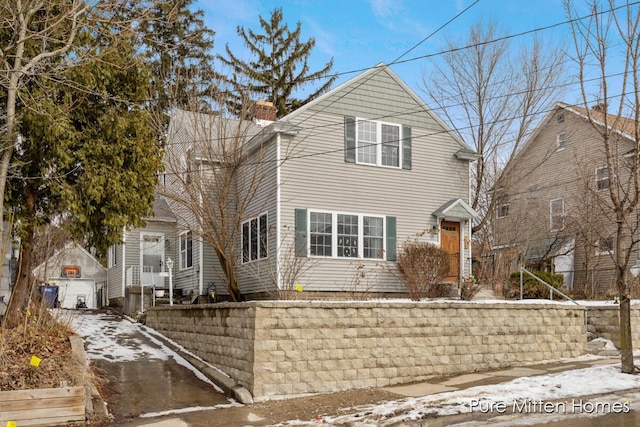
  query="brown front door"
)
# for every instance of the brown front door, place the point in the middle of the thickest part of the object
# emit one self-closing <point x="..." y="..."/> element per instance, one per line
<point x="450" y="243"/>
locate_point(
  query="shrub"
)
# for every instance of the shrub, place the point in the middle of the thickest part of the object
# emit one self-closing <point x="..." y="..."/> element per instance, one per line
<point x="422" y="268"/>
<point x="469" y="288"/>
<point x="531" y="288"/>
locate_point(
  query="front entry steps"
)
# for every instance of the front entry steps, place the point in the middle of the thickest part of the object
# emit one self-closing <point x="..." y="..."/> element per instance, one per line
<point x="487" y="293"/>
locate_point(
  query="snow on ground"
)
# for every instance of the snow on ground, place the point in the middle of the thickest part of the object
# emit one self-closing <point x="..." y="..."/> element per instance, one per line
<point x="115" y="341"/>
<point x="110" y="338"/>
<point x="524" y="395"/>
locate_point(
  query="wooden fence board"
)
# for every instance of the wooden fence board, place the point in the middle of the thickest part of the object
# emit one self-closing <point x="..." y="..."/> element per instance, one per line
<point x="43" y="406"/>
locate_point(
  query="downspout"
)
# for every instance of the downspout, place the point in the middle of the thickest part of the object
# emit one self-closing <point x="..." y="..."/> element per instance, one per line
<point x="462" y="253"/>
<point x="278" y="242"/>
<point x="201" y="268"/>
<point x="201" y="256"/>
<point x="123" y="263"/>
<point x="469" y="221"/>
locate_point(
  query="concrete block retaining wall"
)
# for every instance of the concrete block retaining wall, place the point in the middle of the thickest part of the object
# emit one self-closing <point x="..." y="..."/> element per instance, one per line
<point x="604" y="321"/>
<point x="288" y="348"/>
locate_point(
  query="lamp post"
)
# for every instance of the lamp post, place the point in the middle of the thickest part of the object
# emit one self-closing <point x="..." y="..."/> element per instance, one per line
<point x="170" y="267"/>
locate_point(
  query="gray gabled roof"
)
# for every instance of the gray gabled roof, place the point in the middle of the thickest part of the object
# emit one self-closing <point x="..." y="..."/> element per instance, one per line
<point x="162" y="210"/>
<point x="455" y="208"/>
<point x="210" y="127"/>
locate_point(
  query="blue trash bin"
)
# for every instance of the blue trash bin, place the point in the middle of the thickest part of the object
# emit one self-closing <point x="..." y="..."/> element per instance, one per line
<point x="49" y="295"/>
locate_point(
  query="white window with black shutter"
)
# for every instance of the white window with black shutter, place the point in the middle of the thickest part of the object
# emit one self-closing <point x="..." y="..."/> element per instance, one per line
<point x="377" y="143"/>
<point x="344" y="235"/>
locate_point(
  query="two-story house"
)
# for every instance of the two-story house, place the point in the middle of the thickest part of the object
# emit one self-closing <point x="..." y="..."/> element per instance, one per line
<point x="346" y="180"/>
<point x="552" y="211"/>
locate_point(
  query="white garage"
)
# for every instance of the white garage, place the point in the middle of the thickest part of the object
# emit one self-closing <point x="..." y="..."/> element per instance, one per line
<point x="78" y="275"/>
<point x="71" y="291"/>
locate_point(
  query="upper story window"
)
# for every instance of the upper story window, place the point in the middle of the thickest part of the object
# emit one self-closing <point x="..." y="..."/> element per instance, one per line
<point x="602" y="178"/>
<point x="254" y="238"/>
<point x="556" y="214"/>
<point x="186" y="250"/>
<point x="561" y="118"/>
<point x="377" y="143"/>
<point x="561" y="141"/>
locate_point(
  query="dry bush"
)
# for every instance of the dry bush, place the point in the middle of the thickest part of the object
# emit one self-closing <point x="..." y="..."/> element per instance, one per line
<point x="43" y="335"/>
<point x="422" y="268"/>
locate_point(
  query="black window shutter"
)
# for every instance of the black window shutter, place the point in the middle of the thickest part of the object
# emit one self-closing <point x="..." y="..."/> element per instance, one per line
<point x="391" y="238"/>
<point x="406" y="147"/>
<point x="301" y="233"/>
<point x="350" y="139"/>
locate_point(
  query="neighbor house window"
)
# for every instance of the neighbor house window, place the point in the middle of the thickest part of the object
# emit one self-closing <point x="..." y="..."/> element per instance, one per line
<point x="254" y="238"/>
<point x="602" y="178"/>
<point x="604" y="246"/>
<point x="561" y="141"/>
<point x="346" y="235"/>
<point x="556" y="214"/>
<point x="503" y="210"/>
<point x="378" y="143"/>
<point x="186" y="250"/>
<point x="113" y="256"/>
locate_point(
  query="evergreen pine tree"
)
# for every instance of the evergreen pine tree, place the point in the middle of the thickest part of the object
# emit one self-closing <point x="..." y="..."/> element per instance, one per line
<point x="280" y="67"/>
<point x="177" y="46"/>
<point x="87" y="157"/>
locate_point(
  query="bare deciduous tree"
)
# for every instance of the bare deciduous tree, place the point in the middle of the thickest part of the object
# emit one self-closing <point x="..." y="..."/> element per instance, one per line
<point x="608" y="28"/>
<point x="493" y="95"/>
<point x="220" y="172"/>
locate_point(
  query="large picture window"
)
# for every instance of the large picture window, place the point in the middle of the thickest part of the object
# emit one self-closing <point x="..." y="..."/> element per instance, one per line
<point x="341" y="235"/>
<point x="186" y="250"/>
<point x="255" y="238"/>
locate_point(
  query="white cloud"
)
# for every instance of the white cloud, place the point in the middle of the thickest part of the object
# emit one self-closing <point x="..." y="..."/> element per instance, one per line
<point x="386" y="8"/>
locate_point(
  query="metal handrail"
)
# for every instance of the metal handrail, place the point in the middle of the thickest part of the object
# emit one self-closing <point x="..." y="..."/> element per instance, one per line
<point x="551" y="290"/>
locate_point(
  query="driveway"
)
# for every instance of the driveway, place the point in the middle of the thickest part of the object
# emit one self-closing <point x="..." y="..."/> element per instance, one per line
<point x="139" y="376"/>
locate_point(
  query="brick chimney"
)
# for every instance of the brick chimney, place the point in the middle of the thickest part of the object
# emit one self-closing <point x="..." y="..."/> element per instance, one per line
<point x="264" y="111"/>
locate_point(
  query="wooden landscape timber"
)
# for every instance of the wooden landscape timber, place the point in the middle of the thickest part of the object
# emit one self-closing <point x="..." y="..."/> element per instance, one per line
<point x="49" y="406"/>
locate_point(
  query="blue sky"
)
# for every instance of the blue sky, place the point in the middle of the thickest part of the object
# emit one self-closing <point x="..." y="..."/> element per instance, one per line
<point x="361" y="33"/>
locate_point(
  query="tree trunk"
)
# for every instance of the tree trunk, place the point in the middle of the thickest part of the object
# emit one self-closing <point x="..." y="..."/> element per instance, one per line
<point x="24" y="278"/>
<point x="626" y="342"/>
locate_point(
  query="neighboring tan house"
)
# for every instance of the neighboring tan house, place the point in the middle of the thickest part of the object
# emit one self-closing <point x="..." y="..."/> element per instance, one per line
<point x="80" y="278"/>
<point x="547" y="215"/>
<point x="138" y="263"/>
<point x="347" y="179"/>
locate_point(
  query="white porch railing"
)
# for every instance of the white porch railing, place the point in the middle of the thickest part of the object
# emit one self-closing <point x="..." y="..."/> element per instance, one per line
<point x="143" y="275"/>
